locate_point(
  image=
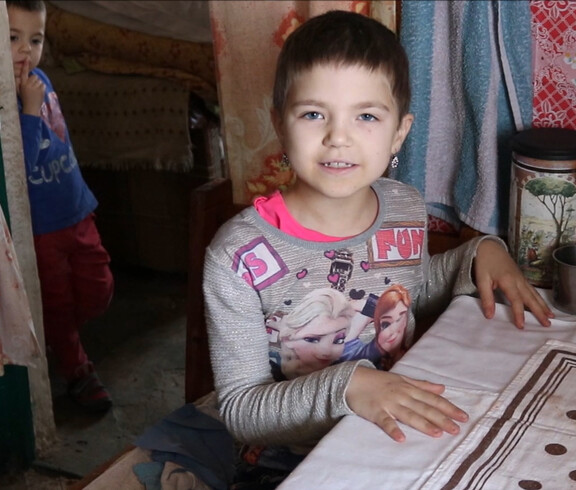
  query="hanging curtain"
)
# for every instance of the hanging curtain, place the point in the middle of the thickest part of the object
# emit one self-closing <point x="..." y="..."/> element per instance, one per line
<point x="247" y="37"/>
<point x="471" y="78"/>
<point x="554" y="44"/>
<point x="19" y="288"/>
<point x="18" y="343"/>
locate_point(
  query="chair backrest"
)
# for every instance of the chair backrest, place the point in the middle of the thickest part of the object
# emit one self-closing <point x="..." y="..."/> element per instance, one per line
<point x="211" y="205"/>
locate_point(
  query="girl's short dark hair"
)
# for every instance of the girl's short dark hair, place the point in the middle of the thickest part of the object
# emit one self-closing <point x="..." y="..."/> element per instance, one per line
<point x="347" y="38"/>
<point x="28" y="5"/>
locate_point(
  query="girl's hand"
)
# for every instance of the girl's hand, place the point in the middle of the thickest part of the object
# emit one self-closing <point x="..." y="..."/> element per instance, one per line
<point x="31" y="90"/>
<point x="495" y="269"/>
<point x="386" y="398"/>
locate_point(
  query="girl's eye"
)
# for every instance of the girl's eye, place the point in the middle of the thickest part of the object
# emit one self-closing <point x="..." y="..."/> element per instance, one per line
<point x="368" y="117"/>
<point x="37" y="41"/>
<point x="313" y="115"/>
<point x="13" y="38"/>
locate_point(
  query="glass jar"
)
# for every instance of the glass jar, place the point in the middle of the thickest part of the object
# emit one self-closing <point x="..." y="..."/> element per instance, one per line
<point x="542" y="199"/>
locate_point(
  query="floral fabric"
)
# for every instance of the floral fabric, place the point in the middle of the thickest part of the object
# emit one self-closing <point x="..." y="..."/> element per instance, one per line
<point x="248" y="36"/>
<point x="18" y="343"/>
<point x="554" y="55"/>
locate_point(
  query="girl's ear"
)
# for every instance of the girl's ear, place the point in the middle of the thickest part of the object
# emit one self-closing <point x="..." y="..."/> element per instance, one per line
<point x="278" y="125"/>
<point x="402" y="132"/>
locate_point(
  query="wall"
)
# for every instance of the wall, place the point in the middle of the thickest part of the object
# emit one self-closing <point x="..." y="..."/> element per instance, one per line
<point x="19" y="211"/>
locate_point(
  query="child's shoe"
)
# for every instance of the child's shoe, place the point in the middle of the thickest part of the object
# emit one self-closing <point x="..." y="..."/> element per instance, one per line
<point x="88" y="392"/>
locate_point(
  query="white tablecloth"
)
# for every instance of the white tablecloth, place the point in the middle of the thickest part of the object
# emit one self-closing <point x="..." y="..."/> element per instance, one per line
<point x="477" y="359"/>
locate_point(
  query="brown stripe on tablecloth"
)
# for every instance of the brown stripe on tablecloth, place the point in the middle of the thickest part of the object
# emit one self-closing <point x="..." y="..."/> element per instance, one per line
<point x="568" y="361"/>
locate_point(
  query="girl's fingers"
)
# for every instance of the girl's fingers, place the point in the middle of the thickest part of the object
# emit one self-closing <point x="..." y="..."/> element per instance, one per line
<point x="390" y="427"/>
<point x="25" y="71"/>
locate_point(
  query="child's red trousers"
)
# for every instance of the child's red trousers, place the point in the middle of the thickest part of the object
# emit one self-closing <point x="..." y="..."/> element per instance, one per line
<point x="77" y="285"/>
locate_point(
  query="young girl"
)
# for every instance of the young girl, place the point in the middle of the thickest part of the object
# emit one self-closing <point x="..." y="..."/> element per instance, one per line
<point x="73" y="267"/>
<point x="341" y="100"/>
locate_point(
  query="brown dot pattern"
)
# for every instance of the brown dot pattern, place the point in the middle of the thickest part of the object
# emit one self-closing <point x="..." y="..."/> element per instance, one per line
<point x="555" y="449"/>
<point x="529" y="484"/>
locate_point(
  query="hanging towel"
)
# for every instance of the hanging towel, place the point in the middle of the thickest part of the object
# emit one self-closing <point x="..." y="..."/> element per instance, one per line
<point x="471" y="80"/>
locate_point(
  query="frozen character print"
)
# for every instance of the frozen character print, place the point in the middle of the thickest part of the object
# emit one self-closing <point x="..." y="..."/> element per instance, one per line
<point x="390" y="319"/>
<point x="312" y="334"/>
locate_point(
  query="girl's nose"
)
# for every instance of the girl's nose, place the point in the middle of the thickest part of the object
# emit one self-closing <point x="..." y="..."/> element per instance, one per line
<point x="337" y="135"/>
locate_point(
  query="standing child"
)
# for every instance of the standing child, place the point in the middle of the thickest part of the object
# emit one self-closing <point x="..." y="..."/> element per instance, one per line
<point x="73" y="267"/>
<point x="341" y="99"/>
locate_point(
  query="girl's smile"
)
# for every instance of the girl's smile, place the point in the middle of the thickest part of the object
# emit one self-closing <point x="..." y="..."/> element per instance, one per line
<point x="338" y="164"/>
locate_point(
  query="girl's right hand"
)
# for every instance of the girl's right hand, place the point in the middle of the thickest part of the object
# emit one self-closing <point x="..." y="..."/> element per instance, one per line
<point x="386" y="398"/>
<point x="31" y="91"/>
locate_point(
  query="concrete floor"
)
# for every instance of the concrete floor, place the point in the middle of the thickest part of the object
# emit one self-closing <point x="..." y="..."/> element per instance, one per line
<point x="138" y="348"/>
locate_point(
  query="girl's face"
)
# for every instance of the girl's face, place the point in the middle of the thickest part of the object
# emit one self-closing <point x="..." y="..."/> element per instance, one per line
<point x="319" y="343"/>
<point x="339" y="129"/>
<point x="26" y="38"/>
<point x="392" y="327"/>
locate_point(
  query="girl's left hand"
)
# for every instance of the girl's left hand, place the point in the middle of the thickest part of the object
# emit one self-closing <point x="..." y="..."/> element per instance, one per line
<point x="494" y="269"/>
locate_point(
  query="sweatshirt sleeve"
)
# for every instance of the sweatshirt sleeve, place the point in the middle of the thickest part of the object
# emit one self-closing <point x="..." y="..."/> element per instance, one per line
<point x="449" y="274"/>
<point x="31" y="127"/>
<point x="256" y="408"/>
<point x="44" y="143"/>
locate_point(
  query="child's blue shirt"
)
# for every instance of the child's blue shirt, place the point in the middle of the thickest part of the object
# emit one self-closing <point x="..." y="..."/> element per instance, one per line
<point x="59" y="196"/>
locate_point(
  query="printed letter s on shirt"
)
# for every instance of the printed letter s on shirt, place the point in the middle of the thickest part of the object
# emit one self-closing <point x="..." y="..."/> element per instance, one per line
<point x="259" y="264"/>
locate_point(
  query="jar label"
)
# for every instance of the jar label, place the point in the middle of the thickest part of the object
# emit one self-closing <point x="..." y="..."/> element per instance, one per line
<point x="542" y="218"/>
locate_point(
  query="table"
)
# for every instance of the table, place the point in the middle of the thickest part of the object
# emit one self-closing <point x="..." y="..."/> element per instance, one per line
<point x="479" y="361"/>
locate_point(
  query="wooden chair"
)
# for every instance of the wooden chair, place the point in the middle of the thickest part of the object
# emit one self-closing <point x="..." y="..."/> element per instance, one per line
<point x="211" y="205"/>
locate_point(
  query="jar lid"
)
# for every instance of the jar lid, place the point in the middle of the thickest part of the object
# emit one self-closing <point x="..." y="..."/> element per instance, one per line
<point x="546" y="143"/>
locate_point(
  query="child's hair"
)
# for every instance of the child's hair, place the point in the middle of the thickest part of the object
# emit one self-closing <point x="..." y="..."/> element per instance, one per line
<point x="343" y="38"/>
<point x="28" y="5"/>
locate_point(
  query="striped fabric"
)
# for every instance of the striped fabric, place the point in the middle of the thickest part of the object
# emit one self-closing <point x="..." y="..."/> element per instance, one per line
<point x="471" y="81"/>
